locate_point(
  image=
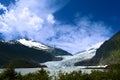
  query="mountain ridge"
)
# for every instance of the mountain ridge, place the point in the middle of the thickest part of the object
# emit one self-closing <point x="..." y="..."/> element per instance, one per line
<point x="108" y="53"/>
<point x="107" y="49"/>
<point x="14" y="50"/>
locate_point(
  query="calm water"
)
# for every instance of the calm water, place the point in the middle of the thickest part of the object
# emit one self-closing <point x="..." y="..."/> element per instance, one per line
<point x="53" y="71"/>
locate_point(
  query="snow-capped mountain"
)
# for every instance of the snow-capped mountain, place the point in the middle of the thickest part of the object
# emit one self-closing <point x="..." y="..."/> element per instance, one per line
<point x="33" y="44"/>
<point x="39" y="46"/>
<point x="27" y="50"/>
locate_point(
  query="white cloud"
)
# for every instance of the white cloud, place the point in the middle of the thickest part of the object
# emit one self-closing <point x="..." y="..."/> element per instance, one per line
<point x="3" y="7"/>
<point x="82" y="35"/>
<point x="50" y="19"/>
<point x="34" y="19"/>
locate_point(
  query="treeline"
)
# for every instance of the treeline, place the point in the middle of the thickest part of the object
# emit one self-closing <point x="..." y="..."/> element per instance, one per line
<point x="111" y="73"/>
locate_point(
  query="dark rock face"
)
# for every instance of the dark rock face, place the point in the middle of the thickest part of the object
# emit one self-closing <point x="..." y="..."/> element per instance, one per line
<point x="15" y="51"/>
<point x="108" y="53"/>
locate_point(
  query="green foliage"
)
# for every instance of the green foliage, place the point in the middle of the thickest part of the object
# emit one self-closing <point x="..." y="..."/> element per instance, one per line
<point x="40" y="75"/>
<point x="114" y="71"/>
<point x="109" y="52"/>
<point x="8" y="74"/>
<point x="115" y="54"/>
<point x="111" y="73"/>
<point x="19" y="63"/>
<point x="114" y="67"/>
<point x="99" y="75"/>
<point x="113" y="58"/>
<point x="70" y="76"/>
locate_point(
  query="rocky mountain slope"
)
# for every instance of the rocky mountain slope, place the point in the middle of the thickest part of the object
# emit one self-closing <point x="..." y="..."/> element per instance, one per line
<point x="108" y="53"/>
<point x="27" y="50"/>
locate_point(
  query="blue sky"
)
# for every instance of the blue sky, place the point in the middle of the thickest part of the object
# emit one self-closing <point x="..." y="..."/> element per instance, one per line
<point x="73" y="25"/>
<point x="107" y="11"/>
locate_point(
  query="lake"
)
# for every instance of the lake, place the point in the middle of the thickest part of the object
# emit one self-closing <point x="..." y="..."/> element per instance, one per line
<point x="54" y="71"/>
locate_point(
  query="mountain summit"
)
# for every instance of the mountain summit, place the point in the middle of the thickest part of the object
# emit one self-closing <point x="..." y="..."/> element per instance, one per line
<point x="33" y="44"/>
<point x="27" y="50"/>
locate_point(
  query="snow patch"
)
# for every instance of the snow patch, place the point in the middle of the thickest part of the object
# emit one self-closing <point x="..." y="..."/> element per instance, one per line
<point x="96" y="46"/>
<point x="31" y="43"/>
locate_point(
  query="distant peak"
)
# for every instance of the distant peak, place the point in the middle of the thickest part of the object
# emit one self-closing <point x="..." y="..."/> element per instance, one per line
<point x="24" y="39"/>
<point x="32" y="43"/>
<point x="96" y="46"/>
<point x="1" y="40"/>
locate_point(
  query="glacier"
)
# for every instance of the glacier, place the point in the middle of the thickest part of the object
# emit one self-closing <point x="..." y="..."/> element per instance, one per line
<point x="69" y="61"/>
